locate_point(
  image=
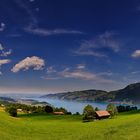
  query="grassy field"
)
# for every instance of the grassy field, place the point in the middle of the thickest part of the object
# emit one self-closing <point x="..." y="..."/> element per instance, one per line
<point x="48" y="127"/>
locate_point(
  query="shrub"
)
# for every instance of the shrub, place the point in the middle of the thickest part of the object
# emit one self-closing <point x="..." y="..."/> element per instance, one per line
<point x="12" y="111"/>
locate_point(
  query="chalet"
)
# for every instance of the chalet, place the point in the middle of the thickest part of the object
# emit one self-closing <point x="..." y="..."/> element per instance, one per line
<point x="102" y="114"/>
<point x="58" y="113"/>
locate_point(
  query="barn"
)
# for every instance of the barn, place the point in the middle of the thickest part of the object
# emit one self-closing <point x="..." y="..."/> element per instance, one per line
<point x="58" y="113"/>
<point x="102" y="114"/>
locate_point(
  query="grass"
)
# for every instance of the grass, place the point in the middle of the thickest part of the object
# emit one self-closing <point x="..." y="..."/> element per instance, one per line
<point x="125" y="126"/>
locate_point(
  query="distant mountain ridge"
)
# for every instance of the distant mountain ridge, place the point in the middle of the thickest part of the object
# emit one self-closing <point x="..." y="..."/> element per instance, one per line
<point x="130" y="93"/>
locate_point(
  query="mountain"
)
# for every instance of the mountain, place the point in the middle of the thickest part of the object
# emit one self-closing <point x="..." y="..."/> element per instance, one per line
<point x="86" y="95"/>
<point x="130" y="93"/>
<point x="7" y="100"/>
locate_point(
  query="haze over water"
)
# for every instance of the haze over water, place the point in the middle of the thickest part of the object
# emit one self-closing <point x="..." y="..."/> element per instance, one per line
<point x="75" y="106"/>
<point x="72" y="106"/>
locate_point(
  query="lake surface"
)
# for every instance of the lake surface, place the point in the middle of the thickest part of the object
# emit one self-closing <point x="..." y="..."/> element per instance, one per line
<point x="71" y="105"/>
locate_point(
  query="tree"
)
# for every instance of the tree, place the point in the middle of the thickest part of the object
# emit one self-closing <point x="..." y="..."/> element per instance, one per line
<point x="88" y="113"/>
<point x="12" y="111"/>
<point x="96" y="109"/>
<point x="48" y="109"/>
<point x="77" y="113"/>
<point x="112" y="109"/>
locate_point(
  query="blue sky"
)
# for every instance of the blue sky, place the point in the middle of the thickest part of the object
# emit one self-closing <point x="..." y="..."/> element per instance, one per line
<point x="54" y="46"/>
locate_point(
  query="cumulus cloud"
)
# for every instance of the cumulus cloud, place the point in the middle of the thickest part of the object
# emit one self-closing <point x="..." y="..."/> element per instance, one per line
<point x="4" y="61"/>
<point x="94" y="46"/>
<point x="33" y="62"/>
<point x="136" y="54"/>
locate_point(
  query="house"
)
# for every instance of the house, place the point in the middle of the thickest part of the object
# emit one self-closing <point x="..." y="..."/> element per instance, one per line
<point x="58" y="113"/>
<point x="102" y="114"/>
<point x="19" y="110"/>
<point x="2" y="105"/>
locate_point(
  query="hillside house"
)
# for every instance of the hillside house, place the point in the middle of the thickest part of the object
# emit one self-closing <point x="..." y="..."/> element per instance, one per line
<point x="102" y="114"/>
<point x="58" y="113"/>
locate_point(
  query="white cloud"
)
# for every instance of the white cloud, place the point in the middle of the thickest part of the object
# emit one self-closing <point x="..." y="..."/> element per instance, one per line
<point x="29" y="62"/>
<point x="1" y="47"/>
<point x="81" y="66"/>
<point x="78" y="72"/>
<point x="4" y="61"/>
<point x="51" y="69"/>
<point x="46" y="32"/>
<point x="94" y="46"/>
<point x="87" y="52"/>
<point x="136" y="54"/>
<point x="2" y="26"/>
<point x="4" y="52"/>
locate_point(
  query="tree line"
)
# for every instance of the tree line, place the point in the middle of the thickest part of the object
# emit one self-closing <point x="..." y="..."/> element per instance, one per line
<point x="89" y="112"/>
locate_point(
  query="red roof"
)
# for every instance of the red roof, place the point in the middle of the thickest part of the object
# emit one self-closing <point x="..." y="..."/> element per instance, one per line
<point x="58" y="113"/>
<point x="102" y="113"/>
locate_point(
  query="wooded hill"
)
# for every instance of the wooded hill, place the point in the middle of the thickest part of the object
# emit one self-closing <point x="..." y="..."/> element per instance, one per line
<point x="130" y="93"/>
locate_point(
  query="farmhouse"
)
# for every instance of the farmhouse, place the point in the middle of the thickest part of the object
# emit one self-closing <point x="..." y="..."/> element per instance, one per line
<point x="58" y="113"/>
<point x="102" y="114"/>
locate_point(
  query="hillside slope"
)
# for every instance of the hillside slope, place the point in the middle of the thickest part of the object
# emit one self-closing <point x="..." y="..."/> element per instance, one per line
<point x="68" y="127"/>
<point x="131" y="93"/>
<point x="86" y="95"/>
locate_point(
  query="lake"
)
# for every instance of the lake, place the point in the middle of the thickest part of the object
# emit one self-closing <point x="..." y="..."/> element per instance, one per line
<point x="71" y="105"/>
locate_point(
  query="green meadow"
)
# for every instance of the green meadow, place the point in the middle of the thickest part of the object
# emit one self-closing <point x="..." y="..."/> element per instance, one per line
<point x="125" y="126"/>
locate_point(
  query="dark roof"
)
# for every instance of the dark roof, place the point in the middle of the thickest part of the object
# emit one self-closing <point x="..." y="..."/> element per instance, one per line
<point x="102" y="113"/>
